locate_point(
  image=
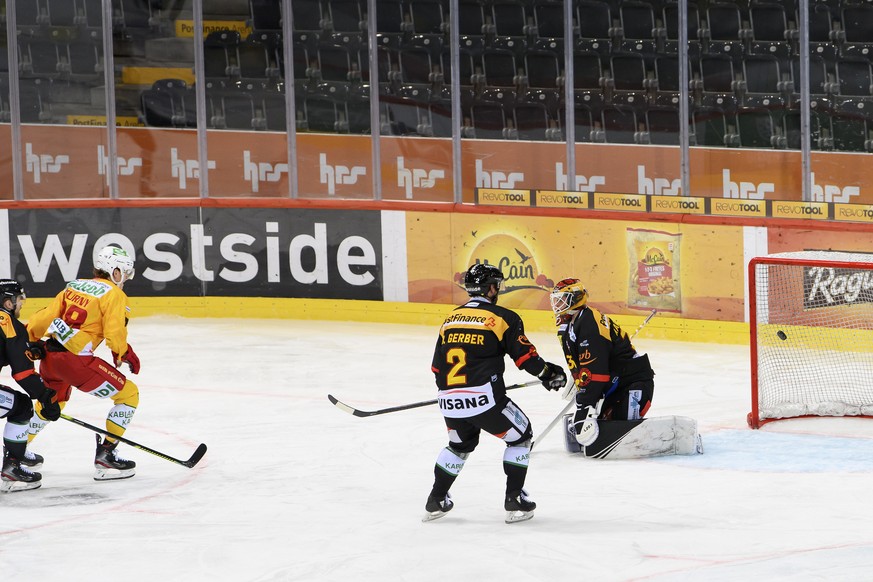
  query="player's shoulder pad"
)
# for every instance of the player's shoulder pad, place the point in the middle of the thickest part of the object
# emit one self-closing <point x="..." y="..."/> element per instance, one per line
<point x="6" y="325"/>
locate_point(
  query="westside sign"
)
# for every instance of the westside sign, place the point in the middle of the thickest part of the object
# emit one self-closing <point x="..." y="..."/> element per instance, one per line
<point x="209" y="251"/>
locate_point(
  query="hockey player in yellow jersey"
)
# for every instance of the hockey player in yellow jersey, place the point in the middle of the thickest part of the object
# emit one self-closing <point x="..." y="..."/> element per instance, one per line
<point x="78" y="320"/>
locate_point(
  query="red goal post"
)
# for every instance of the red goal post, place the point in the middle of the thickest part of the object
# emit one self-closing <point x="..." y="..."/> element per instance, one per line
<point x="811" y="335"/>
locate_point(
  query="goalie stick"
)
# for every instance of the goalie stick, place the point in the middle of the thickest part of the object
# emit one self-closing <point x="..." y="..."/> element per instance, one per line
<point x="364" y="413"/>
<point x="612" y="388"/>
<point x="195" y="458"/>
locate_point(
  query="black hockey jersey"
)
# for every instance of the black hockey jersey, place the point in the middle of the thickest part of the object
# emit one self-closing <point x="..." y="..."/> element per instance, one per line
<point x="472" y="343"/>
<point x="597" y="352"/>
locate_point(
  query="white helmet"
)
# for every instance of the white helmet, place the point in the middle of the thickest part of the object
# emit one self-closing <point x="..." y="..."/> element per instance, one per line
<point x="111" y="258"/>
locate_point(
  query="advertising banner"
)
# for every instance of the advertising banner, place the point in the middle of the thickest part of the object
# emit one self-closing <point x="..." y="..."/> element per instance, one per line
<point x="265" y="252"/>
<point x="627" y="267"/>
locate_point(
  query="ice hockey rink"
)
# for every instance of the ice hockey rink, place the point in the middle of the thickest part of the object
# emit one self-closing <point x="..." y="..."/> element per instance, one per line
<point x="292" y="488"/>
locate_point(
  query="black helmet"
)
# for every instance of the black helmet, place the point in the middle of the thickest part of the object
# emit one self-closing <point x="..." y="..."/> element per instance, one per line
<point x="480" y="277"/>
<point x="10" y="289"/>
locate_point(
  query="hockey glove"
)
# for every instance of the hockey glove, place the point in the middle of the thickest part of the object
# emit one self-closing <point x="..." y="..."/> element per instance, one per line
<point x="587" y="430"/>
<point x="35" y="350"/>
<point x="50" y="410"/>
<point x="129" y="358"/>
<point x="553" y="377"/>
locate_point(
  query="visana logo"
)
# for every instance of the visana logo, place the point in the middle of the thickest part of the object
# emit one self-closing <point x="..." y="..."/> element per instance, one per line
<point x="580" y="184"/>
<point x="123" y="166"/>
<point x="748" y="190"/>
<point x="657" y="186"/>
<point x="831" y="193"/>
<point x="337" y="175"/>
<point x="261" y="171"/>
<point x="184" y="170"/>
<point x="464" y="403"/>
<point x="416" y="177"/>
<point x="43" y="164"/>
<point x="496" y="179"/>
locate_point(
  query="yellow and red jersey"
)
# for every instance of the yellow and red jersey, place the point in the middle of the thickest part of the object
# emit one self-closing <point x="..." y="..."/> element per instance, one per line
<point x="84" y="314"/>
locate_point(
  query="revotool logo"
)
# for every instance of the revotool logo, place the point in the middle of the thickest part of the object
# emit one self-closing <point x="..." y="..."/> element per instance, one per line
<point x="748" y="190"/>
<point x="580" y="183"/>
<point x="261" y="171"/>
<point x="416" y="177"/>
<point x="185" y="170"/>
<point x="124" y="166"/>
<point x="42" y="164"/>
<point x="496" y="179"/>
<point x="337" y="175"/>
<point x="657" y="186"/>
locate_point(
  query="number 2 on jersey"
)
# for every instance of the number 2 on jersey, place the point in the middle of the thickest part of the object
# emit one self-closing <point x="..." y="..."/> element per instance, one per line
<point x="457" y="359"/>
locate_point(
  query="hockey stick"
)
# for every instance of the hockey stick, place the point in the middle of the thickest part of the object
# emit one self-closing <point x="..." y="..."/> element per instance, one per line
<point x="364" y="413"/>
<point x="612" y="388"/>
<point x="195" y="458"/>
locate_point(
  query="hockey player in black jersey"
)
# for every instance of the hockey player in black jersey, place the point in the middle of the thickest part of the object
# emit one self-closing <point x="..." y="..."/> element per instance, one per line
<point x="613" y="386"/>
<point x="15" y="407"/>
<point x="468" y="364"/>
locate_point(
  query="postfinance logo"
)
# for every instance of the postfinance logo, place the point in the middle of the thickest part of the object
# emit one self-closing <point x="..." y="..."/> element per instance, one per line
<point x="184" y="170"/>
<point x="39" y="164"/>
<point x="495" y="179"/>
<point x="255" y="173"/>
<point x="416" y="177"/>
<point x="123" y="166"/>
<point x="337" y="175"/>
<point x="580" y="183"/>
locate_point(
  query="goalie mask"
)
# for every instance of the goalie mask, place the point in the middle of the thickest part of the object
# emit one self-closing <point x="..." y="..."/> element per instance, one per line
<point x="568" y="297"/>
<point x="111" y="258"/>
<point x="480" y="277"/>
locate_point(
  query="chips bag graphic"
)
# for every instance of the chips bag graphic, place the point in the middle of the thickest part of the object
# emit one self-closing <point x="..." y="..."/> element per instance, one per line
<point x="653" y="278"/>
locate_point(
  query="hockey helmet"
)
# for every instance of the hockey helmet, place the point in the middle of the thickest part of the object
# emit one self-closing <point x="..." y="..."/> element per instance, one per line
<point x="10" y="289"/>
<point x="569" y="295"/>
<point x="480" y="277"/>
<point x="111" y="258"/>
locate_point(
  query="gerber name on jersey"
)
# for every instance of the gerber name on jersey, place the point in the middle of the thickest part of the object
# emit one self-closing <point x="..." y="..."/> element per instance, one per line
<point x="466" y="402"/>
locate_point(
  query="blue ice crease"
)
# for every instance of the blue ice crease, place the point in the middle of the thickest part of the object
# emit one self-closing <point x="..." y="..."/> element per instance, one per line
<point x="760" y="451"/>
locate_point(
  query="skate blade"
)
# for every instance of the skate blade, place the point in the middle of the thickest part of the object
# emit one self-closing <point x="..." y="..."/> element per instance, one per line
<point x="16" y="486"/>
<point x="105" y="474"/>
<point x="433" y="515"/>
<point x="33" y="467"/>
<point x="517" y="516"/>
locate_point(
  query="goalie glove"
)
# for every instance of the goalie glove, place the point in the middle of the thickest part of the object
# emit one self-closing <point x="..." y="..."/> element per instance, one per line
<point x="587" y="430"/>
<point x="129" y="358"/>
<point x="552" y="376"/>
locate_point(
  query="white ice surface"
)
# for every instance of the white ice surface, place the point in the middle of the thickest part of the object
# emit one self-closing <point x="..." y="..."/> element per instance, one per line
<point x="292" y="488"/>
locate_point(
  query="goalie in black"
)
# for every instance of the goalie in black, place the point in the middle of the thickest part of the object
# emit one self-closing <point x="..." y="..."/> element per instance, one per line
<point x="613" y="386"/>
<point x="468" y="365"/>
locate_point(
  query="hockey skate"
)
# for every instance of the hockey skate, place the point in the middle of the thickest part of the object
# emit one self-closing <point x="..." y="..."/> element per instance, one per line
<point x="519" y="507"/>
<point x="108" y="465"/>
<point x="32" y="460"/>
<point x="437" y="508"/>
<point x="570" y="442"/>
<point x="16" y="477"/>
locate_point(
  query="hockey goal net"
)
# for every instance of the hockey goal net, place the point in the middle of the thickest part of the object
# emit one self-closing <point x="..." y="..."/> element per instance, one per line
<point x="811" y="328"/>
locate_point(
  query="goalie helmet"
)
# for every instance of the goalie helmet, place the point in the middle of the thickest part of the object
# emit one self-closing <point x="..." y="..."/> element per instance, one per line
<point x="568" y="296"/>
<point x="480" y="277"/>
<point x="111" y="258"/>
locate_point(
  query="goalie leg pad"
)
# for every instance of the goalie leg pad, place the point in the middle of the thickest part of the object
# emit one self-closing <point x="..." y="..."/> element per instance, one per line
<point x="652" y="437"/>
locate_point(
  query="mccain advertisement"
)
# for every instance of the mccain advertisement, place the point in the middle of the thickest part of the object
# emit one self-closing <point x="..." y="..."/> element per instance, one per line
<point x="201" y="251"/>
